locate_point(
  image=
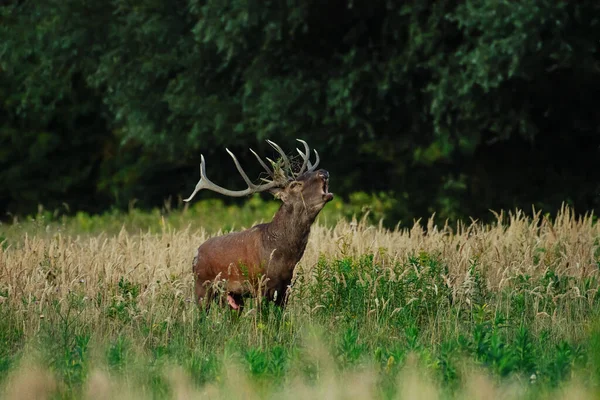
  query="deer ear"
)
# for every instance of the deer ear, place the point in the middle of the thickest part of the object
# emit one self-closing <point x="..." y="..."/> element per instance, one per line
<point x="279" y="193"/>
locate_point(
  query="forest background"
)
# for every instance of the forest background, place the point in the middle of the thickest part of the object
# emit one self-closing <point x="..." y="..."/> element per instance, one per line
<point x="422" y="106"/>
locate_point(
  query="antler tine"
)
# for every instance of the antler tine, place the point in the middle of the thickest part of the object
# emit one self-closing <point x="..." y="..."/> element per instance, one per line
<point x="241" y="170"/>
<point x="262" y="163"/>
<point x="305" y="156"/>
<point x="205" y="183"/>
<point x="203" y="179"/>
<point x="286" y="162"/>
<point x="312" y="167"/>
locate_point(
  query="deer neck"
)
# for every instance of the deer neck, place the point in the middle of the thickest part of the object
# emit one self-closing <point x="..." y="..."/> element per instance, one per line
<point x="288" y="231"/>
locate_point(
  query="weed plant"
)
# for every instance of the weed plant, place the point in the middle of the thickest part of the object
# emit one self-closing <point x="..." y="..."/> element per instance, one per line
<point x="508" y="309"/>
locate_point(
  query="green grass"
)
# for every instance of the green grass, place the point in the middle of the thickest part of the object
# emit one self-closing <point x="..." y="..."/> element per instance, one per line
<point x="356" y="324"/>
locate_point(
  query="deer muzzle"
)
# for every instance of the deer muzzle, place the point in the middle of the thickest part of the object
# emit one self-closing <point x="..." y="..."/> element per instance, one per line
<point x="324" y="175"/>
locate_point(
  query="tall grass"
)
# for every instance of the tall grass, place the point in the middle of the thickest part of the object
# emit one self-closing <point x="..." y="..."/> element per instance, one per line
<point x="508" y="309"/>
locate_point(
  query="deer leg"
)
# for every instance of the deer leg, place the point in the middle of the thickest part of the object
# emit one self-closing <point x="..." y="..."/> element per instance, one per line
<point x="277" y="293"/>
<point x="282" y="297"/>
<point x="204" y="295"/>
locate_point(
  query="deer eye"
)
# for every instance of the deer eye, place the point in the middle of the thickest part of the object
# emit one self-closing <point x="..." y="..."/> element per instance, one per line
<point x="295" y="185"/>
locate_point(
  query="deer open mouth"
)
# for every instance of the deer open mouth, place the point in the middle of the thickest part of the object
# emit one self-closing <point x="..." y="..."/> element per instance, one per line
<point x="327" y="196"/>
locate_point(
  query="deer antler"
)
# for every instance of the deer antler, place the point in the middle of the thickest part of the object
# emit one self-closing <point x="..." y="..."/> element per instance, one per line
<point x="306" y="156"/>
<point x="277" y="179"/>
<point x="205" y="183"/>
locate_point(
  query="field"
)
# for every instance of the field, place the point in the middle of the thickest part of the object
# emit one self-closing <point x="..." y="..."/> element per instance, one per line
<point x="101" y="307"/>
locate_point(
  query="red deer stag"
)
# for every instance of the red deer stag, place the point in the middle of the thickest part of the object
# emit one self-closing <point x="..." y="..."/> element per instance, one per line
<point x="263" y="257"/>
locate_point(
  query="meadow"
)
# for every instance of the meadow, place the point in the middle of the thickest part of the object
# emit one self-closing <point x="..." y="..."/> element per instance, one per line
<point x="101" y="307"/>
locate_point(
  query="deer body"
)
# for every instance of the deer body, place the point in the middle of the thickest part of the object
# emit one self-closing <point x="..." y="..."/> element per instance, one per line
<point x="262" y="259"/>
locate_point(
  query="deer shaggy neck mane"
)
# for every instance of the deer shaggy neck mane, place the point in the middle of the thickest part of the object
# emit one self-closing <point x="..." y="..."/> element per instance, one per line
<point x="261" y="260"/>
<point x="290" y="227"/>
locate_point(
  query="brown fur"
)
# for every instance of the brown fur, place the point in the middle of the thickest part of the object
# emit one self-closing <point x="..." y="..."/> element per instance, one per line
<point x="266" y="253"/>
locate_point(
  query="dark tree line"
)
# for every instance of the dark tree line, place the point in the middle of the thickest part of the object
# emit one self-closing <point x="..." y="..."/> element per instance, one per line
<point x="452" y="107"/>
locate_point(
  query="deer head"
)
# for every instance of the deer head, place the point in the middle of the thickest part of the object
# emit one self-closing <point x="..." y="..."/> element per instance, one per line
<point x="307" y="186"/>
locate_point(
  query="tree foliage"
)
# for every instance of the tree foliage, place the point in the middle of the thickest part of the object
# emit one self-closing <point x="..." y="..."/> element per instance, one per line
<point x="455" y="107"/>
